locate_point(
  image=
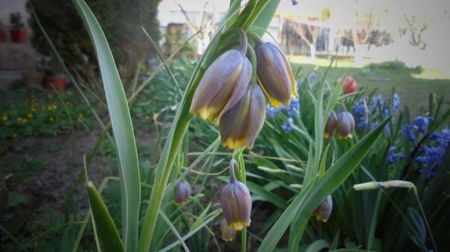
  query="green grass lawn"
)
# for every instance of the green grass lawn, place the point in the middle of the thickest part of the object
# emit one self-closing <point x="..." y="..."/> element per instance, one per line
<point x="414" y="90"/>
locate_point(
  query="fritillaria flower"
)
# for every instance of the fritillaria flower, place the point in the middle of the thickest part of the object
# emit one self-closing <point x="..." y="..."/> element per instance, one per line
<point x="275" y="75"/>
<point x="323" y="211"/>
<point x="330" y="126"/>
<point x="226" y="232"/>
<point x="345" y="125"/>
<point x="236" y="202"/>
<point x="241" y="124"/>
<point x="223" y="84"/>
<point x="182" y="192"/>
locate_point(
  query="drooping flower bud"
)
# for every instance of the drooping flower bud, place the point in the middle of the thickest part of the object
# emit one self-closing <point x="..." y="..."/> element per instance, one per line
<point x="236" y="202"/>
<point x="323" y="211"/>
<point x="182" y="192"/>
<point x="241" y="124"/>
<point x="349" y="86"/>
<point x="330" y="126"/>
<point x="226" y="232"/>
<point x="275" y="75"/>
<point x="223" y="84"/>
<point x="345" y="125"/>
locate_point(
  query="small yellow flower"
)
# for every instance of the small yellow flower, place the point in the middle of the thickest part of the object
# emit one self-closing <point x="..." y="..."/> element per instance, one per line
<point x="147" y="118"/>
<point x="51" y="119"/>
<point x="5" y="117"/>
<point x="29" y="115"/>
<point x="19" y="119"/>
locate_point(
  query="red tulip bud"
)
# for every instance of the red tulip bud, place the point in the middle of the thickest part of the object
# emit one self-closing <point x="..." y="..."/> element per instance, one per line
<point x="349" y="86"/>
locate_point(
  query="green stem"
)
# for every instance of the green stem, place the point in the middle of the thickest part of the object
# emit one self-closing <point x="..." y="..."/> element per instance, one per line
<point x="175" y="138"/>
<point x="255" y="38"/>
<point x="244" y="240"/>
<point x="164" y="167"/>
<point x="237" y="154"/>
<point x="244" y="42"/>
<point x="252" y="56"/>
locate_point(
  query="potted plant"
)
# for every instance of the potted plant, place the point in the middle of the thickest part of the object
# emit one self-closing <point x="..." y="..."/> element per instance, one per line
<point x="53" y="77"/>
<point x="17" y="28"/>
<point x="56" y="81"/>
<point x="2" y="33"/>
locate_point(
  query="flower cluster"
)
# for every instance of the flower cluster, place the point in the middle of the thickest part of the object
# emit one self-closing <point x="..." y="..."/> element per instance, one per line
<point x="361" y="113"/>
<point x="37" y="116"/>
<point x="433" y="153"/>
<point x="370" y="112"/>
<point x="418" y="126"/>
<point x="392" y="156"/>
<point x="292" y="110"/>
<point x="233" y="90"/>
<point x="343" y="124"/>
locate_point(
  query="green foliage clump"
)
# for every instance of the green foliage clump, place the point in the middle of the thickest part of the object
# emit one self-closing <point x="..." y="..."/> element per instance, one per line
<point x="395" y="65"/>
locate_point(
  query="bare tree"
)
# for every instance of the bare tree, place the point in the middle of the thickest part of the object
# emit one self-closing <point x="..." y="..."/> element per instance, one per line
<point x="416" y="31"/>
<point x="309" y="34"/>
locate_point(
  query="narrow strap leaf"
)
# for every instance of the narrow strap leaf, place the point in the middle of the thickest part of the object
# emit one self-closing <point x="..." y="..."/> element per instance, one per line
<point x="104" y="227"/>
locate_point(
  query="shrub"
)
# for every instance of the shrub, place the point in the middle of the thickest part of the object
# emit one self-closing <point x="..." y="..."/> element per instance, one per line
<point x="122" y="19"/>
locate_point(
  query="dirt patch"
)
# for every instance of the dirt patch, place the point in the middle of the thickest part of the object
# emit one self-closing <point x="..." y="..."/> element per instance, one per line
<point x="45" y="168"/>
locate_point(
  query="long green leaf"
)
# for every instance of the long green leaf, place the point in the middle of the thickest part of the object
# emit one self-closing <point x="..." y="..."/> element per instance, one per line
<point x="259" y="193"/>
<point x="122" y="127"/>
<point x="315" y="192"/>
<point x="104" y="227"/>
<point x="210" y="217"/>
<point x="264" y="16"/>
<point x="317" y="246"/>
<point x="174" y="230"/>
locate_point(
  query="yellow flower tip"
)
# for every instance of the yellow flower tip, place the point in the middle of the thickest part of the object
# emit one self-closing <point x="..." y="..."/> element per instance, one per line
<point x="207" y="113"/>
<point x="233" y="143"/>
<point x="227" y="239"/>
<point x="350" y="136"/>
<point x="326" y="135"/>
<point x="275" y="103"/>
<point x="181" y="202"/>
<point x="239" y="225"/>
<point x="319" y="217"/>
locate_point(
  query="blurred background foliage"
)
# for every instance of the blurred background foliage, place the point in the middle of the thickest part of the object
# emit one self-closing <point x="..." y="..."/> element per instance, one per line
<point x="121" y="21"/>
